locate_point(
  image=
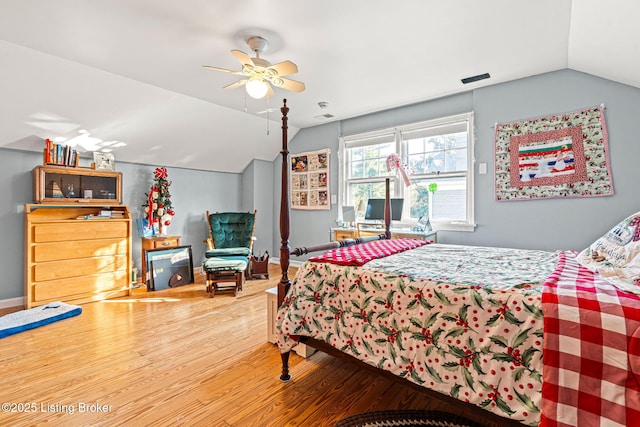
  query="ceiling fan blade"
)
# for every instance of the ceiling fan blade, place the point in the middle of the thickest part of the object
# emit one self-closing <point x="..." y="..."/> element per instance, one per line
<point x="224" y="70"/>
<point x="288" y="84"/>
<point x="268" y="110"/>
<point x="242" y="57"/>
<point x="236" y="84"/>
<point x="285" y="68"/>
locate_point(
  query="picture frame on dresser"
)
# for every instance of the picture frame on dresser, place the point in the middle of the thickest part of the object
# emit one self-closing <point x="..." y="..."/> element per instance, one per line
<point x="104" y="161"/>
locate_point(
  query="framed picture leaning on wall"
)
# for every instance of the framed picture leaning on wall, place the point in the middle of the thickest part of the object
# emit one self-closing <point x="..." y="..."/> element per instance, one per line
<point x="169" y="267"/>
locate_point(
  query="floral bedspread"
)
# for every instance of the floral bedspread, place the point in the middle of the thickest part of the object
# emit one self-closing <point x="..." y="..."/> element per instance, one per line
<point x="464" y="321"/>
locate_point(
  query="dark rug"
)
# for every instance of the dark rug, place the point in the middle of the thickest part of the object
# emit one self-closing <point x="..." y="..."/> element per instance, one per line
<point x="406" y="418"/>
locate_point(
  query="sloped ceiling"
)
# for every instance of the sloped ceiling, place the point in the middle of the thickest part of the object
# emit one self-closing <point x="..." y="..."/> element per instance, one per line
<point x="131" y="71"/>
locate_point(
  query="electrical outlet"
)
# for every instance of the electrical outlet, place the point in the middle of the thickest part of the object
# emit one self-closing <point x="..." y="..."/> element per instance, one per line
<point x="334" y="199"/>
<point x="20" y="208"/>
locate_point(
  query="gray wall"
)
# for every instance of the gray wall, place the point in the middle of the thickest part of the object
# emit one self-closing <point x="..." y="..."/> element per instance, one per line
<point x="541" y="224"/>
<point x="535" y="224"/>
<point x="16" y="189"/>
<point x="257" y="194"/>
<point x="192" y="193"/>
<point x="556" y="223"/>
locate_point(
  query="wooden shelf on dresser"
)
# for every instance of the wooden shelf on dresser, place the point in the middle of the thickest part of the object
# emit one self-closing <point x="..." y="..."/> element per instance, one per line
<point x="62" y="185"/>
<point x="76" y="260"/>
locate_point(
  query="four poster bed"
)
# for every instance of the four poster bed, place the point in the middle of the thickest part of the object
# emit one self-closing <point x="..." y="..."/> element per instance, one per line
<point x="472" y="323"/>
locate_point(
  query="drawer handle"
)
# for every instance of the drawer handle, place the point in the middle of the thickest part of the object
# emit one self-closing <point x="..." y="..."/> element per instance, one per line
<point x="166" y="243"/>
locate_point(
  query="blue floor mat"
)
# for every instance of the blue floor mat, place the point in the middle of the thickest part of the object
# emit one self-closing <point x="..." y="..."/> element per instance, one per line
<point x="24" y="320"/>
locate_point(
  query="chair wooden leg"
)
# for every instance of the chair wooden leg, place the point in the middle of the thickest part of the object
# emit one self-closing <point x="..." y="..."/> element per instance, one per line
<point x="239" y="281"/>
<point x="207" y="282"/>
<point x="236" y="277"/>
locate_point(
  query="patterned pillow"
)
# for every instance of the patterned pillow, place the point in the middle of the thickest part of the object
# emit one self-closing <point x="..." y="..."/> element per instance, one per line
<point x="616" y="255"/>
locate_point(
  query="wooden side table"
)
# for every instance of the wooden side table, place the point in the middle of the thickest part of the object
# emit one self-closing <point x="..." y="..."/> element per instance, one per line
<point x="351" y="233"/>
<point x="344" y="233"/>
<point x="272" y="313"/>
<point x="155" y="242"/>
<point x="420" y="235"/>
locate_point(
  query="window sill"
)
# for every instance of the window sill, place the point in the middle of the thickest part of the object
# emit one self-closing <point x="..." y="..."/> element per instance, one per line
<point x="452" y="226"/>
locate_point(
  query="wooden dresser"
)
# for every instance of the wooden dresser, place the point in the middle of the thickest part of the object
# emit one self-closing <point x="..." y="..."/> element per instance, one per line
<point x="72" y="256"/>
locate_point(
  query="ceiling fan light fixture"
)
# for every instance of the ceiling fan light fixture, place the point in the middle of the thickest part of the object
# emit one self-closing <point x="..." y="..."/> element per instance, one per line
<point x="257" y="88"/>
<point x="260" y="77"/>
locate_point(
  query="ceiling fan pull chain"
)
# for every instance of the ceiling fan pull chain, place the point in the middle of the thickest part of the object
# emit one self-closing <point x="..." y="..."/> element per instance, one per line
<point x="268" y="115"/>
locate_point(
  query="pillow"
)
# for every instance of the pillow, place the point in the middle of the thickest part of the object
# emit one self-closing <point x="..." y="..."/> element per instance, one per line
<point x="616" y="255"/>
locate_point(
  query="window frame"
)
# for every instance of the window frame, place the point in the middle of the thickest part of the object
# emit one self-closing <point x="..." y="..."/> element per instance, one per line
<point x="398" y="188"/>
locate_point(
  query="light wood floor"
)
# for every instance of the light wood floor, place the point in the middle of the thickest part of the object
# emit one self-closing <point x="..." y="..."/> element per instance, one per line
<point x="179" y="357"/>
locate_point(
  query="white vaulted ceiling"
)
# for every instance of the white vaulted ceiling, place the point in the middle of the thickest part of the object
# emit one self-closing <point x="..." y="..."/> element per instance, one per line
<point x="131" y="70"/>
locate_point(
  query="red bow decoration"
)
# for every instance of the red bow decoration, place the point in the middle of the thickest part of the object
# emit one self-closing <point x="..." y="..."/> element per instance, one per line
<point x="394" y="162"/>
<point x="161" y="173"/>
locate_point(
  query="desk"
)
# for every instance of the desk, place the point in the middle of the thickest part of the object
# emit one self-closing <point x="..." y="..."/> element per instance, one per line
<point x="156" y="242"/>
<point x="396" y="233"/>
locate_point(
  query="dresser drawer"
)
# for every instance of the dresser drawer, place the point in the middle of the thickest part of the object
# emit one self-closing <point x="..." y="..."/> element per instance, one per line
<point x="78" y="249"/>
<point x="76" y="287"/>
<point x="164" y="243"/>
<point x="80" y="230"/>
<point x="65" y="269"/>
<point x="343" y="234"/>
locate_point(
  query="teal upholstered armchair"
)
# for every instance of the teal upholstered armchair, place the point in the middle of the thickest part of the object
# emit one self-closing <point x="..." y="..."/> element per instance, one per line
<point x="229" y="248"/>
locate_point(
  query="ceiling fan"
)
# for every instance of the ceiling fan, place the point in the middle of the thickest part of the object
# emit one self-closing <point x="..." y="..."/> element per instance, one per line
<point x="259" y="72"/>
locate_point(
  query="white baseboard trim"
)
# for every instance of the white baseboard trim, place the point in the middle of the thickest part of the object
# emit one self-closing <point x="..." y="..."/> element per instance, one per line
<point x="12" y="302"/>
<point x="292" y="263"/>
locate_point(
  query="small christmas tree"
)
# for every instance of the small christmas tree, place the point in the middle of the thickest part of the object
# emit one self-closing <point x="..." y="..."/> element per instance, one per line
<point x="158" y="207"/>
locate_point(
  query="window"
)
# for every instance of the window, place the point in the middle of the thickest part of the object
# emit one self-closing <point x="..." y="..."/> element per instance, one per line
<point x="365" y="168"/>
<point x="439" y="158"/>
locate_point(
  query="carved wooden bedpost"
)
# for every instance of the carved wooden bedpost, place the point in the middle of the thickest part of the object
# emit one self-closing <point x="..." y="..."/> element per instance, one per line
<point x="284" y="284"/>
<point x="387" y="209"/>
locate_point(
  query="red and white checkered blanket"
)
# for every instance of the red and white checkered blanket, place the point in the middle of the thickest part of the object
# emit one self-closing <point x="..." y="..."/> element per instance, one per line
<point x="591" y="354"/>
<point x="361" y="254"/>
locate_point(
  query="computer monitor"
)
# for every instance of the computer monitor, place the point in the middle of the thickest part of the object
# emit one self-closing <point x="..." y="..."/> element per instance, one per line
<point x="375" y="209"/>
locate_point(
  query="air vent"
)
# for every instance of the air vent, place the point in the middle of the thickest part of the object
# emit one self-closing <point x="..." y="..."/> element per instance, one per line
<point x="475" y="78"/>
<point x="324" y="116"/>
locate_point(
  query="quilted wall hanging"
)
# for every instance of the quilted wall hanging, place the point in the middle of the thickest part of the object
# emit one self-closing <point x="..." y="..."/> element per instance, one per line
<point x="561" y="155"/>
